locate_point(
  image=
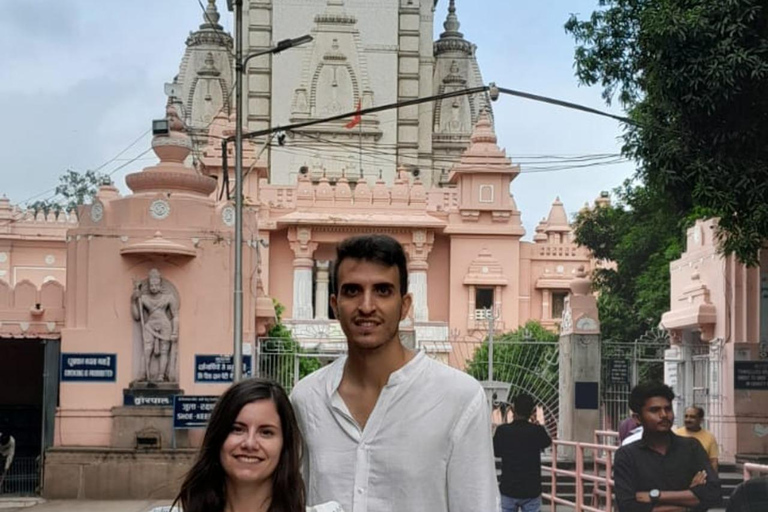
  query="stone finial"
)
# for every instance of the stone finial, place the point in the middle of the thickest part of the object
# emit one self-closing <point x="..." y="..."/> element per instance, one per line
<point x="604" y="199"/>
<point x="451" y="24"/>
<point x="5" y="208"/>
<point x="211" y="17"/>
<point x="483" y="131"/>
<point x="558" y="219"/>
<point x="175" y="124"/>
<point x="581" y="284"/>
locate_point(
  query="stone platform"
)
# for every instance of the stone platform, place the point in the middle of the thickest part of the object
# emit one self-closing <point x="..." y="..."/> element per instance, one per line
<point x="86" y="473"/>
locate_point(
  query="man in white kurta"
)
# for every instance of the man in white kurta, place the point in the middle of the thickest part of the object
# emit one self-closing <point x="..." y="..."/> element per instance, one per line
<point x="388" y="429"/>
<point x="426" y="446"/>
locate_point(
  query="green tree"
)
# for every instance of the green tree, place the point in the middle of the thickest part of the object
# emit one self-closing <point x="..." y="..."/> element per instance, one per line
<point x="280" y="353"/>
<point x="641" y="233"/>
<point x="74" y="189"/>
<point x="692" y="75"/>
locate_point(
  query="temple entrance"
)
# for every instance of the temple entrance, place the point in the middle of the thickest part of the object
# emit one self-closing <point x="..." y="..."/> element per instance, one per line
<point x="624" y="364"/>
<point x="29" y="371"/>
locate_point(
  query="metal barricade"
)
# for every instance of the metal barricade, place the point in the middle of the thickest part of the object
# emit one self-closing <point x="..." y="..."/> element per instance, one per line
<point x="23" y="477"/>
<point x="581" y="477"/>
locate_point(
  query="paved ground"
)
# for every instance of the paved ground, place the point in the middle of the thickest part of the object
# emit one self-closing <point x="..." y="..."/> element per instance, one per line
<point x="16" y="505"/>
<point x="130" y="506"/>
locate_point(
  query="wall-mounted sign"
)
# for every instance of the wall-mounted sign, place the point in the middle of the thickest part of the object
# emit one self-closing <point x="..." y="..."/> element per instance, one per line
<point x="192" y="411"/>
<point x="618" y="371"/>
<point x="218" y="368"/>
<point x="587" y="395"/>
<point x="752" y="375"/>
<point x="88" y="367"/>
<point x="147" y="401"/>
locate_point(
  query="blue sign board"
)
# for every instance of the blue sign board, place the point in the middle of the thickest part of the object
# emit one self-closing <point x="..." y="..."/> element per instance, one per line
<point x="147" y="401"/>
<point x="88" y="367"/>
<point x="192" y="411"/>
<point x="218" y="368"/>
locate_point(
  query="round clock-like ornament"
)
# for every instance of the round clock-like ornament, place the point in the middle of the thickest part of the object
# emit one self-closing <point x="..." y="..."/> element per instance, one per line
<point x="97" y="212"/>
<point x="159" y="209"/>
<point x="228" y="216"/>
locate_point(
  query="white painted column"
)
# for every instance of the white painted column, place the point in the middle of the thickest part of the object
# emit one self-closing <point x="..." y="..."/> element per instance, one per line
<point x="546" y="311"/>
<point x="321" y="290"/>
<point x="417" y="283"/>
<point x="302" y="289"/>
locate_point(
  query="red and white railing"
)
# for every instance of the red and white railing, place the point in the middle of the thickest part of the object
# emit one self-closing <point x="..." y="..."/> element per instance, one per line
<point x="752" y="470"/>
<point x="600" y="475"/>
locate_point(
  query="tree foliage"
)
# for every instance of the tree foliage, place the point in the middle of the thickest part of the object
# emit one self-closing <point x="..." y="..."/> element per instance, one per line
<point x="692" y="75"/>
<point x="74" y="189"/>
<point x="640" y="234"/>
<point x="283" y="351"/>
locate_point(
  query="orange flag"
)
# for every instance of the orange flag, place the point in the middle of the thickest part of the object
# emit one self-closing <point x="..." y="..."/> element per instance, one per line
<point x="355" y="120"/>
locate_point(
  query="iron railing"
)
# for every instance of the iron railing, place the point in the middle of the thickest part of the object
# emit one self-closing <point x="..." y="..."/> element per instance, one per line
<point x="23" y="477"/>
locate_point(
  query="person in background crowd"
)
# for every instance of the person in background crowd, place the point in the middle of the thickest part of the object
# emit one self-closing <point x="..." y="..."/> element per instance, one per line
<point x="386" y="428"/>
<point x="7" y="451"/>
<point x="627" y="428"/>
<point x="662" y="472"/>
<point x="694" y="416"/>
<point x="519" y="444"/>
<point x="250" y="459"/>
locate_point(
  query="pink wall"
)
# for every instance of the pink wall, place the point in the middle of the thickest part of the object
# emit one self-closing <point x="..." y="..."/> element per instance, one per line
<point x="439" y="295"/>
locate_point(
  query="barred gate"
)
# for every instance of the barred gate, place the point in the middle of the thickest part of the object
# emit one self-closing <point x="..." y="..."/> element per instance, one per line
<point x="624" y="364"/>
<point x="527" y="366"/>
<point x="23" y="477"/>
<point x="286" y="361"/>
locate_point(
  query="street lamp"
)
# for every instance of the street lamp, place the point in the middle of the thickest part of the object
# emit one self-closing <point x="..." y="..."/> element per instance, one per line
<point x="240" y="63"/>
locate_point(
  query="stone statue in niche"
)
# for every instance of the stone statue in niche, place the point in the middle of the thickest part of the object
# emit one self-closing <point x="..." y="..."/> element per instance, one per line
<point x="155" y="306"/>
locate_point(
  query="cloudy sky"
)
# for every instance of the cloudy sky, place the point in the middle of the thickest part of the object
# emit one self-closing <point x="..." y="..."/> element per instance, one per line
<point x="81" y="80"/>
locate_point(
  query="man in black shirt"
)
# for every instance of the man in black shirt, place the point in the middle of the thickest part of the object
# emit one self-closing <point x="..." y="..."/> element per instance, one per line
<point x="662" y="472"/>
<point x="519" y="445"/>
<point x="750" y="496"/>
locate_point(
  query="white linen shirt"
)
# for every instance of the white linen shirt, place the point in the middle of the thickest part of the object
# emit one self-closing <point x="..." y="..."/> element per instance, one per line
<point x="426" y="446"/>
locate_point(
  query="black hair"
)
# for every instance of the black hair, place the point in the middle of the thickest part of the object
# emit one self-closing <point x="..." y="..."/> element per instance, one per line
<point x="5" y="438"/>
<point x="204" y="487"/>
<point x="382" y="249"/>
<point x="643" y="391"/>
<point x="523" y="405"/>
<point x="699" y="410"/>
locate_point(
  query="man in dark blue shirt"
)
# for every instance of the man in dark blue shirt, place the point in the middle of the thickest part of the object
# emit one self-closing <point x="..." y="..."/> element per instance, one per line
<point x="662" y="472"/>
<point x="519" y="444"/>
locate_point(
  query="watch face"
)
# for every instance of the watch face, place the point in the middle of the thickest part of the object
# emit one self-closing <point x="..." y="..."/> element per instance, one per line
<point x="655" y="493"/>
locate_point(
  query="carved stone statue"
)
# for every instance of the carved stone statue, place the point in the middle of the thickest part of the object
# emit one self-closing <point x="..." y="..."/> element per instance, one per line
<point x="155" y="305"/>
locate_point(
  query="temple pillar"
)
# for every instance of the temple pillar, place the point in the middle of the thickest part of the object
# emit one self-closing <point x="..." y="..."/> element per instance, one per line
<point x="303" y="264"/>
<point x="418" y="251"/>
<point x="321" y="290"/>
<point x="546" y="297"/>
<point x="580" y="361"/>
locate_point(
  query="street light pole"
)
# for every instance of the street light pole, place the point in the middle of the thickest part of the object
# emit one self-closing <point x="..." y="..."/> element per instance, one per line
<point x="240" y="64"/>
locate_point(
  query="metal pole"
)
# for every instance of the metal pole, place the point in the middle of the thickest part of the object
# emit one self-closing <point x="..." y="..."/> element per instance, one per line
<point x="491" y="320"/>
<point x="238" y="299"/>
<point x="240" y="63"/>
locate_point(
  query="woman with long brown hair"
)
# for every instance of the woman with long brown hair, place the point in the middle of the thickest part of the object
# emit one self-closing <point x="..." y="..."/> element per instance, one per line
<point x="250" y="458"/>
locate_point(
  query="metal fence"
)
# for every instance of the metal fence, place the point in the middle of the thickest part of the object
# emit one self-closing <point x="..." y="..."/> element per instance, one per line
<point x="23" y="477"/>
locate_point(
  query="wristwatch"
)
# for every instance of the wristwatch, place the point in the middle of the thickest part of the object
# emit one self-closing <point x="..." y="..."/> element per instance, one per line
<point x="655" y="494"/>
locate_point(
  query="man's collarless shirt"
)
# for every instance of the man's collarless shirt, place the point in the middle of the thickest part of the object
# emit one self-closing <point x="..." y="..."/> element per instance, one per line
<point x="426" y="446"/>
